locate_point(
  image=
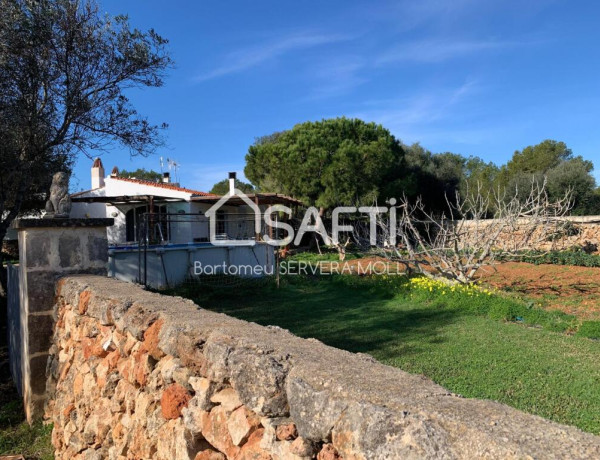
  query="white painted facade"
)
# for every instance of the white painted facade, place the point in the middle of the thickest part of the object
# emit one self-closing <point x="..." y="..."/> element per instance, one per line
<point x="191" y="227"/>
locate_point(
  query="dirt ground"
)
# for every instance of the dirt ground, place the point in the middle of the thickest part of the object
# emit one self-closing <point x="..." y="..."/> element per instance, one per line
<point x="573" y="290"/>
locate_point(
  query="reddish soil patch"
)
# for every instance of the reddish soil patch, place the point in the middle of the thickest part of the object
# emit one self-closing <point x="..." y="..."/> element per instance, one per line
<point x="573" y="290"/>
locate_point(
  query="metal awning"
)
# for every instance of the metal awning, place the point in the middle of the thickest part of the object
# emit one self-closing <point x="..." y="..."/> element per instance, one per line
<point x="125" y="199"/>
<point x="258" y="198"/>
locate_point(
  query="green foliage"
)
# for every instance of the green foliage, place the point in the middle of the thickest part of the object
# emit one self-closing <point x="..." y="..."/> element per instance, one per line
<point x="432" y="177"/>
<point x="574" y="257"/>
<point x="539" y="158"/>
<point x="491" y="303"/>
<point x="327" y="163"/>
<point x="16" y="435"/>
<point x="564" y="172"/>
<point x="574" y="175"/>
<point x="143" y="174"/>
<point x="222" y="187"/>
<point x="477" y="174"/>
<point x="478" y="346"/>
<point x="590" y="329"/>
<point x="348" y="162"/>
<point x="65" y="69"/>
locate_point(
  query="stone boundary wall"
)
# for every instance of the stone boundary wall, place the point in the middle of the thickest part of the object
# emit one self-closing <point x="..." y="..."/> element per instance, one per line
<point x="587" y="231"/>
<point x="138" y="375"/>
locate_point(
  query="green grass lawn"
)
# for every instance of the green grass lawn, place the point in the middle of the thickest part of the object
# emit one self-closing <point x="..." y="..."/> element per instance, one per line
<point x="459" y="338"/>
<point x="16" y="436"/>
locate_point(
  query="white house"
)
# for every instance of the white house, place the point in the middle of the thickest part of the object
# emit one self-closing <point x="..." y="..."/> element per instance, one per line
<point x="129" y="201"/>
<point x="172" y="224"/>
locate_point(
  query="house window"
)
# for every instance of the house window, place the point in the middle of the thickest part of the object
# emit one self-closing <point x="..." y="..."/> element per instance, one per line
<point x="221" y="224"/>
<point x="140" y="223"/>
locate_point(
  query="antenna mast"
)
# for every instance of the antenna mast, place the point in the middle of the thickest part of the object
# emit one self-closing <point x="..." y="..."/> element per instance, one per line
<point x="173" y="166"/>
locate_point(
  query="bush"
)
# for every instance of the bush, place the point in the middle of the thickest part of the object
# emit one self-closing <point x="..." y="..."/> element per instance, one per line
<point x="576" y="257"/>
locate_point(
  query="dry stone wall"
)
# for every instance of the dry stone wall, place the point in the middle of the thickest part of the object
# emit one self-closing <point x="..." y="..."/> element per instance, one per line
<point x="137" y="375"/>
<point x="580" y="232"/>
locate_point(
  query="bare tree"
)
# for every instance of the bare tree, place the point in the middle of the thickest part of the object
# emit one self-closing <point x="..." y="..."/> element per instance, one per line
<point x="64" y="71"/>
<point x="455" y="245"/>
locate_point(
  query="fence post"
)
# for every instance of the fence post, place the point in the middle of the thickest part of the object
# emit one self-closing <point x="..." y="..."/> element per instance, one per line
<point x="48" y="250"/>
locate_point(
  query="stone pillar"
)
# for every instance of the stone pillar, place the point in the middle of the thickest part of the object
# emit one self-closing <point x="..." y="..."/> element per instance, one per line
<point x="48" y="250"/>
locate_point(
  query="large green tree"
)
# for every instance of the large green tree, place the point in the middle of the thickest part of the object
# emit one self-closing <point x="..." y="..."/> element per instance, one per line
<point x="554" y="162"/>
<point x="143" y="174"/>
<point x="328" y="163"/>
<point x="436" y="178"/>
<point x="64" y="72"/>
<point x="222" y="187"/>
<point x="574" y="175"/>
<point x="538" y="158"/>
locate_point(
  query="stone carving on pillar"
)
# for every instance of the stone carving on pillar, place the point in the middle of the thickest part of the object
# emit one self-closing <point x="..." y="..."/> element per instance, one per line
<point x="59" y="202"/>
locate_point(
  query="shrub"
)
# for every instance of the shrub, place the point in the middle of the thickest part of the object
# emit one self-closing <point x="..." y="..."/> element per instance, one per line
<point x="576" y="257"/>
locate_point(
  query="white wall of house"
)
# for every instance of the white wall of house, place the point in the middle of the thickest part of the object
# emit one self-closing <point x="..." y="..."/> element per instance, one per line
<point x="115" y="187"/>
<point x="192" y="226"/>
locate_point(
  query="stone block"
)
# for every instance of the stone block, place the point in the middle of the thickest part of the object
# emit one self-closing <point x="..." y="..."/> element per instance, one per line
<point x="241" y="423"/>
<point x="315" y="412"/>
<point x="216" y="432"/>
<point x="97" y="249"/>
<point x="40" y="289"/>
<point x="37" y="374"/>
<point x="286" y="432"/>
<point x="40" y="332"/>
<point x="228" y="399"/>
<point x="70" y="251"/>
<point x="259" y="380"/>
<point x="209" y="454"/>
<point x="37" y="250"/>
<point x="174" y="399"/>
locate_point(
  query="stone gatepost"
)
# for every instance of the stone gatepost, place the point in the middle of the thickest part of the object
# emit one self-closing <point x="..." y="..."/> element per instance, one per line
<point x="49" y="249"/>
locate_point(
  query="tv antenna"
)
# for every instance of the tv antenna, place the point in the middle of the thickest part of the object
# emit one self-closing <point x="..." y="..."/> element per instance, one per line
<point x="162" y="165"/>
<point x="174" y="167"/>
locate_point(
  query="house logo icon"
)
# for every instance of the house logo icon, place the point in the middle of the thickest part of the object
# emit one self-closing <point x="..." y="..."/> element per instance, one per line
<point x="212" y="216"/>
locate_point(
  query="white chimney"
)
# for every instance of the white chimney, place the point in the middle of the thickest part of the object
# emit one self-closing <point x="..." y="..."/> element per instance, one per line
<point x="97" y="174"/>
<point x="232" y="183"/>
<point x="166" y="178"/>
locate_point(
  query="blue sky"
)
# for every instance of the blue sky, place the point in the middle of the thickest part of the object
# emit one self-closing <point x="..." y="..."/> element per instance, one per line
<point x="469" y="76"/>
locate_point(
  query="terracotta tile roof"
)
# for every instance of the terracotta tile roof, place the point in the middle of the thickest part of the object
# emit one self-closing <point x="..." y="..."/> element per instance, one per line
<point x="163" y="185"/>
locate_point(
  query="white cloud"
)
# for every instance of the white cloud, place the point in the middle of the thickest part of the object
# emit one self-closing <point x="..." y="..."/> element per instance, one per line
<point x="249" y="57"/>
<point x="337" y="76"/>
<point x="441" y="50"/>
<point x="420" y="110"/>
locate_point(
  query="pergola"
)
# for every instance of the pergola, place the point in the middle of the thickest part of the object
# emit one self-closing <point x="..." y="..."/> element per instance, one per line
<point x="257" y="198"/>
<point x="125" y="199"/>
